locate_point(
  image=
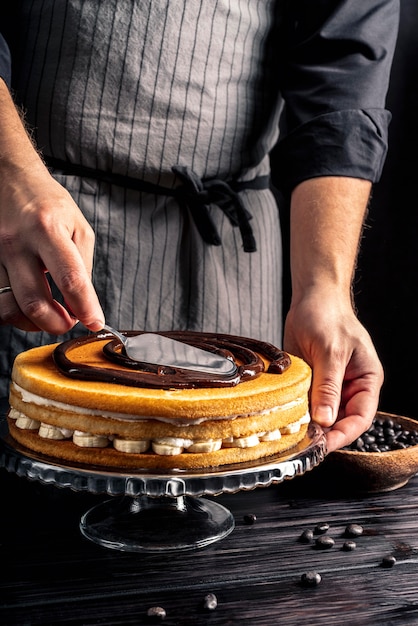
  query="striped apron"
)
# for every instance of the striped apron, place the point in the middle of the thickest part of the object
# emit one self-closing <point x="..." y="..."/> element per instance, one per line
<point x="143" y="98"/>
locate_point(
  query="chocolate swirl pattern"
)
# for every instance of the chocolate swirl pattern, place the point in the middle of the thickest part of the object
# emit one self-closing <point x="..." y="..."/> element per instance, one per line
<point x="249" y="355"/>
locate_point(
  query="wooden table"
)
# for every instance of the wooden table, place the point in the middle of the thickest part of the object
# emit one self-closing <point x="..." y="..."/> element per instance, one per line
<point x="51" y="574"/>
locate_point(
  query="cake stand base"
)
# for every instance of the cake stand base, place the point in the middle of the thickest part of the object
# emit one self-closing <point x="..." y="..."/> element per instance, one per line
<point x="156" y="524"/>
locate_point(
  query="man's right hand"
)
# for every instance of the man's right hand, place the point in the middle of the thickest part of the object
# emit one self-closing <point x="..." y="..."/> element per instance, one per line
<point x="41" y="230"/>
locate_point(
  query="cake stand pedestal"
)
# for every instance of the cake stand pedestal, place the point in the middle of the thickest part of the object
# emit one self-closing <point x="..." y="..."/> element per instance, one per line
<point x="161" y="512"/>
<point x="157" y="524"/>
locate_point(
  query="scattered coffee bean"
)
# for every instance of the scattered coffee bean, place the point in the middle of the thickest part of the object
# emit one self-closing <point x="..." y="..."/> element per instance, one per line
<point x="388" y="561"/>
<point x="324" y="542"/>
<point x="210" y="602"/>
<point x="250" y="519"/>
<point x="353" y="530"/>
<point x="157" y="613"/>
<point x="384" y="434"/>
<point x="310" y="579"/>
<point x="306" y="536"/>
<point x="349" y="546"/>
<point x="321" y="528"/>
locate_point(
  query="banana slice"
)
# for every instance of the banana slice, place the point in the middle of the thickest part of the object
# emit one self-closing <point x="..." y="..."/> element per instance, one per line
<point x="290" y="429"/>
<point x="67" y="433"/>
<point x="210" y="445"/>
<point x="46" y="431"/>
<point x="27" y="422"/>
<point x="131" y="445"/>
<point x="87" y="440"/>
<point x="241" y="442"/>
<point x="305" y="419"/>
<point x="272" y="435"/>
<point x="176" y="442"/>
<point x="163" y="447"/>
<point x="14" y="414"/>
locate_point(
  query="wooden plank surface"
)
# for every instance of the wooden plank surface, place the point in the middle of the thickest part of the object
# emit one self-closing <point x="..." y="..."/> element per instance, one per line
<point x="51" y="574"/>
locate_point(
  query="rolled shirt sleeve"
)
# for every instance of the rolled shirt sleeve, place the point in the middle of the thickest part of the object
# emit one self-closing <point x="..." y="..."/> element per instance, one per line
<point x="5" y="62"/>
<point x="335" y="76"/>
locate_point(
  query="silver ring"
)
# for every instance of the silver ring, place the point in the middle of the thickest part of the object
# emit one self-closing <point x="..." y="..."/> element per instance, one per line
<point x="5" y="290"/>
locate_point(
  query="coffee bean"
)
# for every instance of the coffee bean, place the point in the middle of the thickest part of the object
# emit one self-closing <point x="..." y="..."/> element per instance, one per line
<point x="349" y="546"/>
<point x="324" y="542"/>
<point x="384" y="435"/>
<point x="306" y="536"/>
<point x="353" y="530"/>
<point x="157" y="613"/>
<point x="388" y="561"/>
<point x="250" y="519"/>
<point x="210" y="602"/>
<point x="321" y="528"/>
<point x="368" y="439"/>
<point x="310" y="579"/>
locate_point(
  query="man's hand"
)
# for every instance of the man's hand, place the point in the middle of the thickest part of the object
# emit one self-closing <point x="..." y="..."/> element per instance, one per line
<point x="41" y="230"/>
<point x="347" y="374"/>
<point x="327" y="216"/>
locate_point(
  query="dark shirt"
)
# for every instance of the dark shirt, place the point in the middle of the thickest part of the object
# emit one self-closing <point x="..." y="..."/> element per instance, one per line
<point x="336" y="70"/>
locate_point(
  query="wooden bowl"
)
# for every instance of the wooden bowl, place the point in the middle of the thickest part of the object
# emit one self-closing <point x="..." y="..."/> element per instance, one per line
<point x="372" y="472"/>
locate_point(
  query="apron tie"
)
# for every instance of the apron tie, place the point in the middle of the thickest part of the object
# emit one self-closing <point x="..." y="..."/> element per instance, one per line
<point x="194" y="193"/>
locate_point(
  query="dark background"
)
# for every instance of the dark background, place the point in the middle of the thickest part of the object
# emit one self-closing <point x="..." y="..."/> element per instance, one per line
<point x="387" y="278"/>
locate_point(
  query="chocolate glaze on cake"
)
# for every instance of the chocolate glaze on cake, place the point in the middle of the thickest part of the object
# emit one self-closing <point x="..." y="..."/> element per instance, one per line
<point x="142" y="374"/>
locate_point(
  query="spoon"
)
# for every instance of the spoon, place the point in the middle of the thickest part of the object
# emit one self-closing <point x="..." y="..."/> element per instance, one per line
<point x="157" y="349"/>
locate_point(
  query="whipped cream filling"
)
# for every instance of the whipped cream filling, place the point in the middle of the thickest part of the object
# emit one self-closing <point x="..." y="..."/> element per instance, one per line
<point x="163" y="446"/>
<point x="28" y="396"/>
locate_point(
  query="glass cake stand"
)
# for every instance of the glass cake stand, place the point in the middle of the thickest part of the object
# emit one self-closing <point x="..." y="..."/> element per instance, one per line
<point x="160" y="512"/>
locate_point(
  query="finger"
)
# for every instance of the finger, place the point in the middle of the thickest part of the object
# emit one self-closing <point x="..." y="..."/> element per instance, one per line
<point x="10" y="313"/>
<point x="72" y="278"/>
<point x="326" y="393"/>
<point x="362" y="399"/>
<point x="34" y="302"/>
<point x="346" y="430"/>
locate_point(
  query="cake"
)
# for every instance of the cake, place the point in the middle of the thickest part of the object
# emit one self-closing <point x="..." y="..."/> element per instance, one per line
<point x="84" y="401"/>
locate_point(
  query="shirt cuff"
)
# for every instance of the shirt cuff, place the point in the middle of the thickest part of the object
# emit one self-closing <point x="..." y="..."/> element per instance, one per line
<point x="349" y="143"/>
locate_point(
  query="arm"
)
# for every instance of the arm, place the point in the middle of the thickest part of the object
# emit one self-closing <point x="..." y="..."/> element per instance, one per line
<point x="335" y="78"/>
<point x="41" y="230"/>
<point x="326" y="222"/>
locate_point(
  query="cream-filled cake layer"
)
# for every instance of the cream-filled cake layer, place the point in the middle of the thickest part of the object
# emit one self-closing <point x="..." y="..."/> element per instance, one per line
<point x="164" y="446"/>
<point x="31" y="398"/>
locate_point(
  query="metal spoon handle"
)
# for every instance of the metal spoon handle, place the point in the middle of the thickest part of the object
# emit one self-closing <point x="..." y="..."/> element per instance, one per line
<point x="117" y="334"/>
